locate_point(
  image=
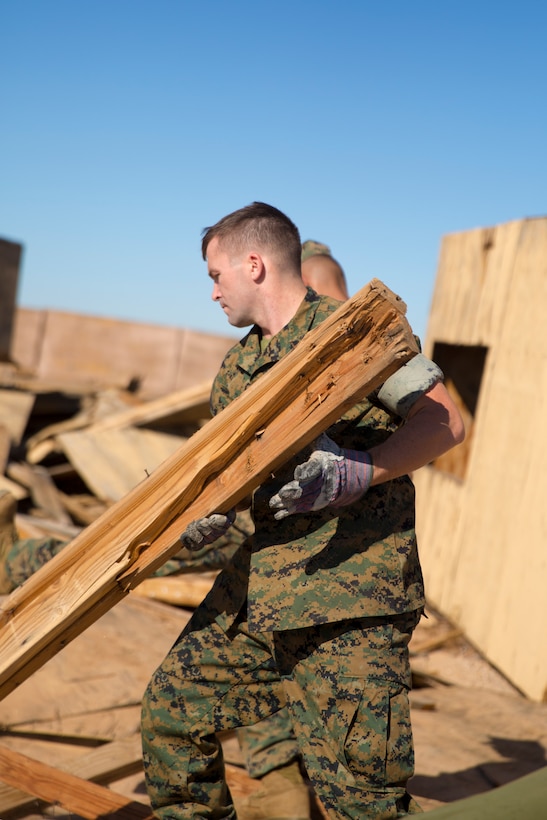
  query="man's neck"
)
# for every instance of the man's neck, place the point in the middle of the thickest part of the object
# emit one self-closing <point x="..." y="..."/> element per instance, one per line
<point x="279" y="313"/>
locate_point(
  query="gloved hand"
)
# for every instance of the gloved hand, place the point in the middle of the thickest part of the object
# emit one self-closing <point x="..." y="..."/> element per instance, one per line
<point x="332" y="477"/>
<point x="204" y="531"/>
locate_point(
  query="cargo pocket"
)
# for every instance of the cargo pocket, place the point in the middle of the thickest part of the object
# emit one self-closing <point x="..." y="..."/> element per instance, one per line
<point x="378" y="748"/>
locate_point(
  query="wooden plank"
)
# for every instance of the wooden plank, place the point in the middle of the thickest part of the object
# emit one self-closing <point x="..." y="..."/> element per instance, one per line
<point x="43" y="491"/>
<point x="111" y="462"/>
<point x="63" y="789"/>
<point x="346" y="357"/>
<point x="30" y="526"/>
<point x="15" y="409"/>
<point x="83" y="508"/>
<point x="10" y="258"/>
<point x="13" y="487"/>
<point x="178" y="590"/>
<point x="63" y="348"/>
<point x="105" y="403"/>
<point x="104" y="670"/>
<point x="494" y="298"/>
<point x="107" y="763"/>
<point x="192" y="401"/>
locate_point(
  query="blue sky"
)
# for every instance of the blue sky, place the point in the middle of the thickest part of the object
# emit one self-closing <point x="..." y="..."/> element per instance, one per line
<point x="378" y="127"/>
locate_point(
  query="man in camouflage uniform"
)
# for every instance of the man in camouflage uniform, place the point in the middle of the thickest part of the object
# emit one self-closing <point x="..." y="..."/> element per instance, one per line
<point x="269" y="747"/>
<point x="316" y="609"/>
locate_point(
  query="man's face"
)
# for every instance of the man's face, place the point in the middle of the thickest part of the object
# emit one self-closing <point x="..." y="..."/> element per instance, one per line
<point x="232" y="284"/>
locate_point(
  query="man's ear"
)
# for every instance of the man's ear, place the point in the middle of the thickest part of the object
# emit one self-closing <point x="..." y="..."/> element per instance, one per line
<point x="256" y="265"/>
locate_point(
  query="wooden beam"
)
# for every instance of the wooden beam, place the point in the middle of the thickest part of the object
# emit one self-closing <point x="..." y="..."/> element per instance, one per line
<point x="191" y="400"/>
<point x="72" y="793"/>
<point x="186" y="590"/>
<point x="10" y="259"/>
<point x="345" y="358"/>
<point x="109" y="762"/>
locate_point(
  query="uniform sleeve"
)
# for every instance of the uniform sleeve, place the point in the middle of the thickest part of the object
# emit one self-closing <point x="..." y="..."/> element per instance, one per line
<point x="401" y="390"/>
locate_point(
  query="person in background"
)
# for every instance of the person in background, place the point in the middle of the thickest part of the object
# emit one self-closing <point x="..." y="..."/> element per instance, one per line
<point x="315" y="611"/>
<point x="321" y="272"/>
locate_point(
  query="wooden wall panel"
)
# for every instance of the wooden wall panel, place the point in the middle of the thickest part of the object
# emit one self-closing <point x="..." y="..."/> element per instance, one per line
<point x="28" y="335"/>
<point x="200" y="356"/>
<point x="72" y="348"/>
<point x="473" y="280"/>
<point x="482" y="539"/>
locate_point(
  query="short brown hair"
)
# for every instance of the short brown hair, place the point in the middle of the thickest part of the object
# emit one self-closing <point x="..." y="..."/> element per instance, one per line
<point x="259" y="225"/>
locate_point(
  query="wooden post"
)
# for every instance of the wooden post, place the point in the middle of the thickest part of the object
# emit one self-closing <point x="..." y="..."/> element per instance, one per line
<point x="10" y="257"/>
<point x="342" y="360"/>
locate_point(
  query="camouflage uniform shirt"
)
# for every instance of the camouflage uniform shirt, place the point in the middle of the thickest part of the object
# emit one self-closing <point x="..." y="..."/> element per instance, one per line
<point x="329" y="565"/>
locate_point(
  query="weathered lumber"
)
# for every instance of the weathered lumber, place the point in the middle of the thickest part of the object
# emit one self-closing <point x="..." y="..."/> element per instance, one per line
<point x="13" y="487"/>
<point x="32" y="526"/>
<point x="43" y="491"/>
<point x="10" y="259"/>
<point x="192" y="401"/>
<point x="343" y="359"/>
<point x="187" y="590"/>
<point x="112" y="462"/>
<point x="73" y="793"/>
<point x="15" y="410"/>
<point x="109" y="762"/>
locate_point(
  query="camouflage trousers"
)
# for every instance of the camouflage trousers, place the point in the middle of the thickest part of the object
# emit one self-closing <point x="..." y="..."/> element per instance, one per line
<point x="268" y="744"/>
<point x="345" y="686"/>
<point x="25" y="557"/>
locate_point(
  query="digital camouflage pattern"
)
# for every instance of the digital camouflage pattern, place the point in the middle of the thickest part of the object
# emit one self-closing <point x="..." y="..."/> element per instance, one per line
<point x="314" y="613"/>
<point x="268" y="744"/>
<point x="324" y="566"/>
<point x="345" y="686"/>
<point x="25" y="557"/>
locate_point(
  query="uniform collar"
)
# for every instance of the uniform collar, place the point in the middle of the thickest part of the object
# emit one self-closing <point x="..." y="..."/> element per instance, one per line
<point x="253" y="358"/>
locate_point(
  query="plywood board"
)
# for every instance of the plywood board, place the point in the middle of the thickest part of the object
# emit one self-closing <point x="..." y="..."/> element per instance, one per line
<point x="60" y="348"/>
<point x="112" y="462"/>
<point x="109" y="762"/>
<point x="15" y="409"/>
<point x="482" y="536"/>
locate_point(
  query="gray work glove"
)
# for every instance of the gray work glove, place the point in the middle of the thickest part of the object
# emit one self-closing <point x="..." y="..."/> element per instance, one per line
<point x="204" y="531"/>
<point x="332" y="477"/>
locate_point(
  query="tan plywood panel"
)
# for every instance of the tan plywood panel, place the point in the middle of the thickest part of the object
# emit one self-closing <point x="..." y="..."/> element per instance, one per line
<point x="483" y="535"/>
<point x="71" y="348"/>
